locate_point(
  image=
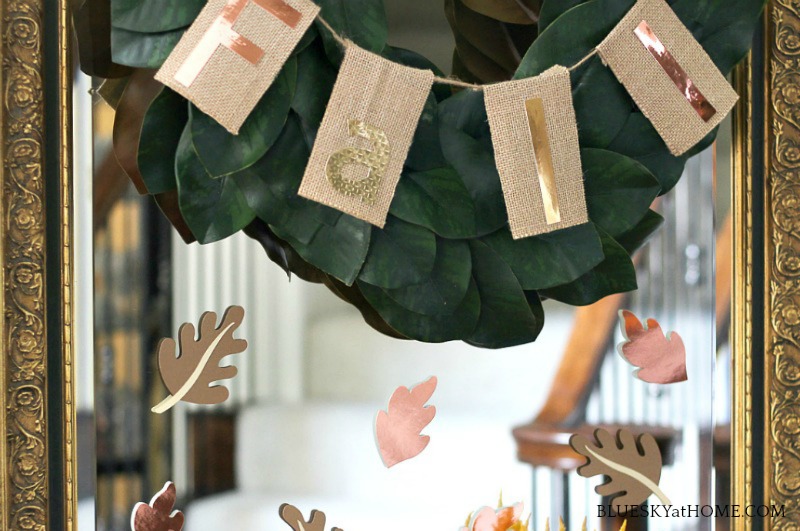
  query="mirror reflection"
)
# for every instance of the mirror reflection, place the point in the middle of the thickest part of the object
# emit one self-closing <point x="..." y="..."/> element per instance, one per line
<point x="298" y="426"/>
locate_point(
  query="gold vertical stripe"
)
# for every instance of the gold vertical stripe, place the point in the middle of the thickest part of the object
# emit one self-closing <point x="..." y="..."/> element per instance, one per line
<point x="534" y="107"/>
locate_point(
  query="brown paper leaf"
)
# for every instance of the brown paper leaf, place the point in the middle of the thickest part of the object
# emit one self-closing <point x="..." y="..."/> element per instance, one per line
<point x="190" y="375"/>
<point x="292" y="516"/>
<point x="158" y="515"/>
<point x="633" y="466"/>
<point x="661" y="359"/>
<point x="398" y="431"/>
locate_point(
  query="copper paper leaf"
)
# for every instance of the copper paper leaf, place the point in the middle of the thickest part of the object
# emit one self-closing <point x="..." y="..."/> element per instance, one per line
<point x="158" y="515"/>
<point x="190" y="375"/>
<point x="398" y="430"/>
<point x="661" y="359"/>
<point x="632" y="465"/>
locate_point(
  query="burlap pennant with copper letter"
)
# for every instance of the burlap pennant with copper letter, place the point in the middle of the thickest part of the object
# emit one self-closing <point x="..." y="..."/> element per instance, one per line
<point x="668" y="74"/>
<point x="365" y="135"/>
<point x="231" y="54"/>
<point x="535" y="139"/>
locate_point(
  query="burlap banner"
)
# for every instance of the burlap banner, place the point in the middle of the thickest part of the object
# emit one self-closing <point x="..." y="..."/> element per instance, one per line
<point x="231" y="54"/>
<point x="668" y="74"/>
<point x="536" y="150"/>
<point x="365" y="135"/>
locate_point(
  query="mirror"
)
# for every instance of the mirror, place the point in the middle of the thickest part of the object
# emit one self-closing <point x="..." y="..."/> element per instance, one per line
<point x="299" y="424"/>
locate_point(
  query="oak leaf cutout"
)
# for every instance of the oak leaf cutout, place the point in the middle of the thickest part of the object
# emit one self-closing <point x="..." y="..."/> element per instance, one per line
<point x="632" y="465"/>
<point x="661" y="359"/>
<point x="398" y="429"/>
<point x="158" y="515"/>
<point x="189" y="376"/>
<point x="500" y="519"/>
<point x="292" y="516"/>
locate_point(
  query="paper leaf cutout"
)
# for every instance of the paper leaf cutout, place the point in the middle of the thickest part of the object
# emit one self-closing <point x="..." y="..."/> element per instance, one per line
<point x="398" y="430"/>
<point x="633" y="466"/>
<point x="500" y="519"/>
<point x="157" y="516"/>
<point x="661" y="359"/>
<point x="292" y="516"/>
<point x="189" y="376"/>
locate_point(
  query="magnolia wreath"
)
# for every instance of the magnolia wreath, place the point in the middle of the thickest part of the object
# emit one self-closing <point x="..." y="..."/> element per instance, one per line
<point x="445" y="266"/>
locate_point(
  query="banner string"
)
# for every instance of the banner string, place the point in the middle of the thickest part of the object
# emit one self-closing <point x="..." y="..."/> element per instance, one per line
<point x="344" y="43"/>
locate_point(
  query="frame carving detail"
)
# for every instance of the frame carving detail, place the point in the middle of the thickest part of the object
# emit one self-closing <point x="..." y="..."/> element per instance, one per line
<point x="24" y="367"/>
<point x="782" y="237"/>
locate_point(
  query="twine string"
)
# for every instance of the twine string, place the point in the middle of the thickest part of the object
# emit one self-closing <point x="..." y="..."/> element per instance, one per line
<point x="344" y="43"/>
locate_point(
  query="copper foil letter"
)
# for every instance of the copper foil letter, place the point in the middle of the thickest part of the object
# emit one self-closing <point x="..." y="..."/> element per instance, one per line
<point x="221" y="33"/>
<point x="544" y="160"/>
<point x="675" y="72"/>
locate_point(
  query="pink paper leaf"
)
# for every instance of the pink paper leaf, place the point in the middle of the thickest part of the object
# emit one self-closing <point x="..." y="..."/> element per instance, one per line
<point x="661" y="359"/>
<point x="398" y="430"/>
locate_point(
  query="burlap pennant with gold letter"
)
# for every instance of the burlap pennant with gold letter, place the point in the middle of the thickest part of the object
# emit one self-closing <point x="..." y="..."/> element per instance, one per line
<point x="536" y="150"/>
<point x="365" y="135"/>
<point x="231" y="54"/>
<point x="668" y="74"/>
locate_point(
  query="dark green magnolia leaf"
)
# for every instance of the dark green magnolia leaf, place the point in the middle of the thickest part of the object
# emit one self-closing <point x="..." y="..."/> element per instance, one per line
<point x="163" y="126"/>
<point x="438" y="200"/>
<point x="142" y="50"/>
<point x="256" y="135"/>
<point x="550" y="259"/>
<point x="639" y="140"/>
<point x="574" y="34"/>
<point x="446" y="286"/>
<point x="273" y="246"/>
<point x="602" y="105"/>
<point x="615" y="274"/>
<point x="475" y="165"/>
<point x="466" y="112"/>
<point x="339" y="249"/>
<point x="311" y="35"/>
<point x="271" y="185"/>
<point x="426" y="149"/>
<point x="619" y="190"/>
<point x="507" y="316"/>
<point x="638" y="236"/>
<point x="725" y="29"/>
<point x="315" y="78"/>
<point x="213" y="208"/>
<point x="431" y="329"/>
<point x="353" y="295"/>
<point x="511" y="11"/>
<point x="400" y="254"/>
<point x="480" y="55"/>
<point x="361" y="21"/>
<point x="154" y="16"/>
<point x="552" y="9"/>
<point x="325" y="238"/>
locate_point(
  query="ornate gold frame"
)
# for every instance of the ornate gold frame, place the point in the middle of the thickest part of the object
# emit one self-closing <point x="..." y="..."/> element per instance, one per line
<point x="37" y="487"/>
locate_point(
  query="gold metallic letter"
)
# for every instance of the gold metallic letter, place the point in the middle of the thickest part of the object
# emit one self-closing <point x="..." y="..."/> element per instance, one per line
<point x="544" y="159"/>
<point x="221" y="33"/>
<point x="376" y="159"/>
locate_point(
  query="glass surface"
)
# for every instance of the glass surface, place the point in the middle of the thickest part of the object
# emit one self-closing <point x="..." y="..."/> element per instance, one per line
<point x="299" y="424"/>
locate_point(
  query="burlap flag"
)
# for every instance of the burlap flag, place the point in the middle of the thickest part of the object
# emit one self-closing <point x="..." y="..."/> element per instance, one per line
<point x="365" y="135"/>
<point x="668" y="74"/>
<point x="536" y="150"/>
<point x="231" y="54"/>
